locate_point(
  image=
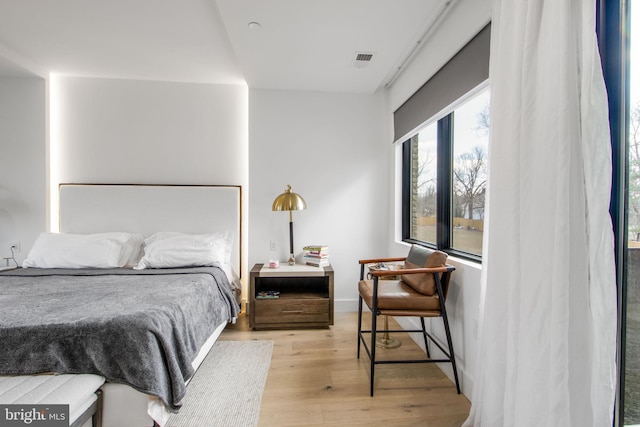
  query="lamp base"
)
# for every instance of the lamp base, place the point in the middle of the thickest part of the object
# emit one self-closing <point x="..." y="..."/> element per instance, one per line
<point x="385" y="341"/>
<point x="292" y="260"/>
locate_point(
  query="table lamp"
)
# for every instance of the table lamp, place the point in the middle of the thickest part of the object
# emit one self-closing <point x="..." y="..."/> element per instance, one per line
<point x="289" y="201"/>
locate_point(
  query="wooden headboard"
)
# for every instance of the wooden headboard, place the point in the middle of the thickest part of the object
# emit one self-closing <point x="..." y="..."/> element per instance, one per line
<point x="146" y="209"/>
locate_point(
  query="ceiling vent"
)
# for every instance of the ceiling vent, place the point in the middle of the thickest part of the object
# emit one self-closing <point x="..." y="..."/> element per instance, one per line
<point x="362" y="59"/>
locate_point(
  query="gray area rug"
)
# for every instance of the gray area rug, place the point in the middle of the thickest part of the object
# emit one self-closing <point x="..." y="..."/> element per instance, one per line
<point x="227" y="388"/>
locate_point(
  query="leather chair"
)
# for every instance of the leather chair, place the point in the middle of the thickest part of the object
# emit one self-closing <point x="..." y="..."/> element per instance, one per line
<point x="420" y="292"/>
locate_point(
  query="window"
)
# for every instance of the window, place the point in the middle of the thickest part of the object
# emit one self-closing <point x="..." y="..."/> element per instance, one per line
<point x="619" y="45"/>
<point x="631" y="372"/>
<point x="445" y="176"/>
<point x="423" y="189"/>
<point x="470" y="144"/>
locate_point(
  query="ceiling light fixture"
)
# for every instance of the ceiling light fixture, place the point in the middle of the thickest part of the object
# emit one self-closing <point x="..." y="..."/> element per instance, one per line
<point x="254" y="26"/>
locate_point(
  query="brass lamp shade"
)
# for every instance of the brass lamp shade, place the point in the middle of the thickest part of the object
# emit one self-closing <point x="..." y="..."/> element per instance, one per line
<point x="289" y="201"/>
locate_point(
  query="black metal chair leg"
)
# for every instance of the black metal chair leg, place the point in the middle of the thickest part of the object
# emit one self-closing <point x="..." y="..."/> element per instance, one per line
<point x="360" y="311"/>
<point x="451" y="353"/>
<point x="359" y="323"/>
<point x="373" y="347"/>
<point x="445" y="319"/>
<point x="426" y="339"/>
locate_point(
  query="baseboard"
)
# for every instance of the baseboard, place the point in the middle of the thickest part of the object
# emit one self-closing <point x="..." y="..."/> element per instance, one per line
<point x="345" y="305"/>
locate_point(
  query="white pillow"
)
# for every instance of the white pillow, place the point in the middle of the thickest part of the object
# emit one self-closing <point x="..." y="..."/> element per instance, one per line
<point x="102" y="250"/>
<point x="172" y="249"/>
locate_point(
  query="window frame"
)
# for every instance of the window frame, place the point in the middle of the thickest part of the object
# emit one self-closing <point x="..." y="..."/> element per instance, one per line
<point x="444" y="181"/>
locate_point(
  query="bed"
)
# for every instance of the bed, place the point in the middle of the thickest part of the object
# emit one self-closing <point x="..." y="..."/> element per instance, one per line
<point x="145" y="324"/>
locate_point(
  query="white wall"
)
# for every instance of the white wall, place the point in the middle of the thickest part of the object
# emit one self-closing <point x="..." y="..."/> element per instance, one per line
<point x="22" y="162"/>
<point x="333" y="150"/>
<point x="146" y="132"/>
<point x="461" y="24"/>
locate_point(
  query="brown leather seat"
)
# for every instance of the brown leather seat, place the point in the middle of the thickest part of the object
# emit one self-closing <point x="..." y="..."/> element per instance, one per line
<point x="396" y="295"/>
<point x="420" y="292"/>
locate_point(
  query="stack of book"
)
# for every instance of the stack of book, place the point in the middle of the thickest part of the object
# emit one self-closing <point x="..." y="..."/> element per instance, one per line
<point x="316" y="255"/>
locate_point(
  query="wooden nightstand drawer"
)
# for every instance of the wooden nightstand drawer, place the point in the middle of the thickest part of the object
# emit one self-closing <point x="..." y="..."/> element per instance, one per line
<point x="292" y="310"/>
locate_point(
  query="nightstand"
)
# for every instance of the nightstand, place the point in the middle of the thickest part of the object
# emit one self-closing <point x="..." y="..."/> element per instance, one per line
<point x="290" y="297"/>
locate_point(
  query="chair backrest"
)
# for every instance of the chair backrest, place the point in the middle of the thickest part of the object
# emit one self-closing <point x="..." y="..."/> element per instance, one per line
<point x="419" y="257"/>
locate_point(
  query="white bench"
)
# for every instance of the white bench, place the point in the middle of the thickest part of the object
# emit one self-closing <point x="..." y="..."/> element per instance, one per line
<point x="80" y="392"/>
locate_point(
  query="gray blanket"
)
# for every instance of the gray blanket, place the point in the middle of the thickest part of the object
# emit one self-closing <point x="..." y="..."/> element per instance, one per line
<point x="141" y="328"/>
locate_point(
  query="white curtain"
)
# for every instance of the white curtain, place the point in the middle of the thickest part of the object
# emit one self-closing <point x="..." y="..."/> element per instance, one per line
<point x="548" y="323"/>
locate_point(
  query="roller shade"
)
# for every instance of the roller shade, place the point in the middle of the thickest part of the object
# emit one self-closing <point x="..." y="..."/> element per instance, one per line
<point x="466" y="70"/>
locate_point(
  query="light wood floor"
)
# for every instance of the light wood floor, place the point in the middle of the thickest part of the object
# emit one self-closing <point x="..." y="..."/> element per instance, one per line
<point x="315" y="379"/>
